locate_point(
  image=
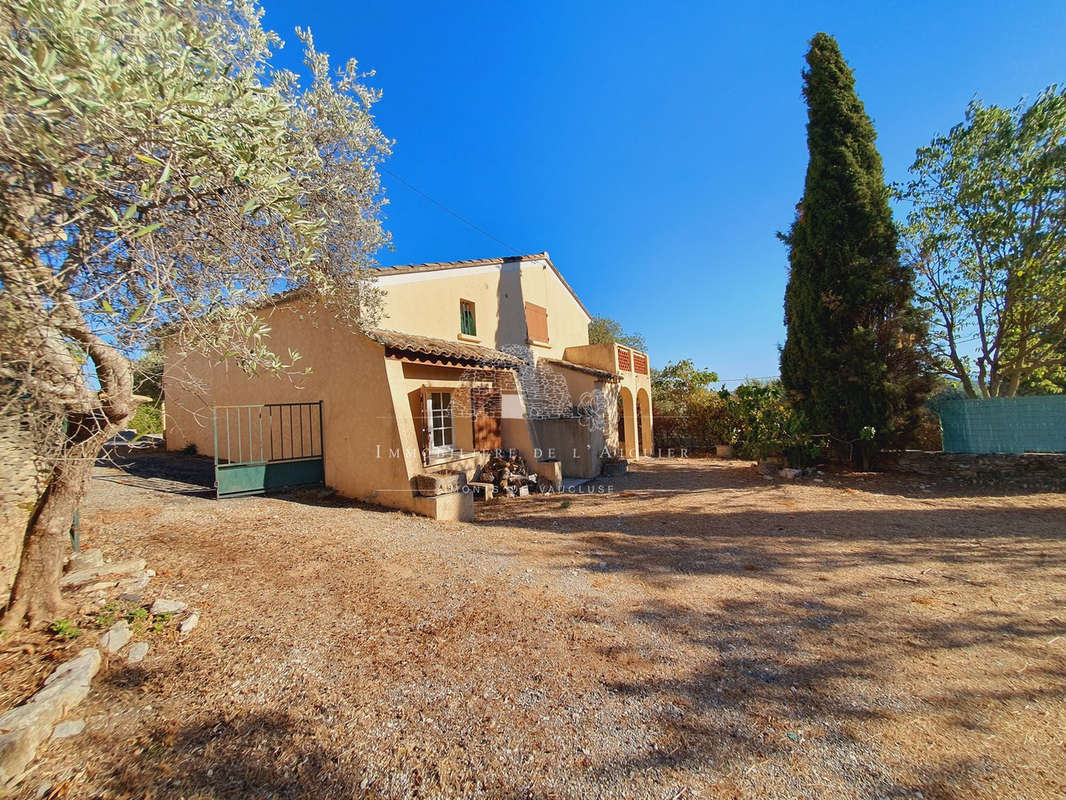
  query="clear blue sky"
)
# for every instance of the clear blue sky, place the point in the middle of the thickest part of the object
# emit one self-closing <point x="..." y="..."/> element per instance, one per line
<point x="654" y="149"/>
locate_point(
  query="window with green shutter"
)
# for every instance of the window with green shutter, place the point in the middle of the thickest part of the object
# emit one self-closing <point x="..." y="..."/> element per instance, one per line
<point x="467" y="323"/>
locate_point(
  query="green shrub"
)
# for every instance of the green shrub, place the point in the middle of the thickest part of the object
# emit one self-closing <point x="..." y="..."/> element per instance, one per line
<point x="65" y="629"/>
<point x="769" y="426"/>
<point x="148" y="419"/>
<point x="755" y="418"/>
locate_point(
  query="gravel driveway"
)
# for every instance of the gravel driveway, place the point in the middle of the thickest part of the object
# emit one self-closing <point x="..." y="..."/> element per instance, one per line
<point x="691" y="630"/>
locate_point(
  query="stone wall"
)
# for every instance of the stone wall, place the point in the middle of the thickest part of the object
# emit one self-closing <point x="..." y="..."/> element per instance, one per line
<point x="1026" y="471"/>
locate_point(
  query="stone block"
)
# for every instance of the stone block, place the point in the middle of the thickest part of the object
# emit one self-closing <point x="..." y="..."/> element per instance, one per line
<point x="86" y="559"/>
<point x="163" y="606"/>
<point x="90" y="574"/>
<point x="117" y="636"/>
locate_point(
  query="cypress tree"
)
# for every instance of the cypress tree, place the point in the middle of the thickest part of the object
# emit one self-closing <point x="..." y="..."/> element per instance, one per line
<point x="855" y="355"/>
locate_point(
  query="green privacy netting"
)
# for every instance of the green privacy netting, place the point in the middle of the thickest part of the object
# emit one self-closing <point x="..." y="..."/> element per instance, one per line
<point x="1004" y="424"/>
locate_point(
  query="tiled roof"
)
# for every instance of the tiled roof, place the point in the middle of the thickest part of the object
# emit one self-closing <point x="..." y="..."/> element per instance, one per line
<point x="599" y="373"/>
<point x="442" y="349"/>
<point x="434" y="266"/>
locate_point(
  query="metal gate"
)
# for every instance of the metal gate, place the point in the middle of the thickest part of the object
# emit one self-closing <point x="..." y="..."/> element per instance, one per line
<point x="260" y="448"/>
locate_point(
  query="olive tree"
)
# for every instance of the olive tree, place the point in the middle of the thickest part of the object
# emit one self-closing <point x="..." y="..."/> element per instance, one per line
<point x="986" y="235"/>
<point x="156" y="171"/>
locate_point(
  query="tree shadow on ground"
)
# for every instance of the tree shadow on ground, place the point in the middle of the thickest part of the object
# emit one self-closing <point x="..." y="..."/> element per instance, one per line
<point x="160" y="471"/>
<point x="790" y="547"/>
<point x="266" y="755"/>
<point x="250" y="755"/>
<point x="817" y="635"/>
<point x="194" y="476"/>
<point x="803" y="684"/>
<point x="794" y="670"/>
<point x="677" y="476"/>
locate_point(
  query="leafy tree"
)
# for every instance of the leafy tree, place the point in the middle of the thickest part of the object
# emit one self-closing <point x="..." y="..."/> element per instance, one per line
<point x="157" y="171"/>
<point x="148" y="383"/>
<point x="766" y="424"/>
<point x="854" y="357"/>
<point x="604" y="330"/>
<point x="987" y="237"/>
<point x="686" y="409"/>
<point x="1046" y="380"/>
<point x="756" y="417"/>
<point x="680" y="379"/>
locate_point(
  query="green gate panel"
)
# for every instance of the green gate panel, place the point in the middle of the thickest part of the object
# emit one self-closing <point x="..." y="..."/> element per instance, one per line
<point x="1035" y="424"/>
<point x="267" y="447"/>
<point x="234" y="480"/>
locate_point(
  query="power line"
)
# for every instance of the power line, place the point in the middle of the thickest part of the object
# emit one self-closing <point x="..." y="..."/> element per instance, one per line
<point x="741" y="380"/>
<point x="445" y="208"/>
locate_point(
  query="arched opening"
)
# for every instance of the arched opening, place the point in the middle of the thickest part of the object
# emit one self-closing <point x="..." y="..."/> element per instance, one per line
<point x="647" y="444"/>
<point x="628" y="442"/>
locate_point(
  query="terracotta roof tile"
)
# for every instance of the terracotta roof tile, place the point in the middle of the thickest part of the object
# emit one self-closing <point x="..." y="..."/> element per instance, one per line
<point x="460" y="352"/>
<point x="599" y="373"/>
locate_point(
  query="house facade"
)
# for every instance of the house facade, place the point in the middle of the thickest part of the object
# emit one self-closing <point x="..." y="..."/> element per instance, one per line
<point x="470" y="358"/>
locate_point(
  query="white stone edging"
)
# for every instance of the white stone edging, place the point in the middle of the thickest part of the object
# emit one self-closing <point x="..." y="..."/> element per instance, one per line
<point x="25" y="728"/>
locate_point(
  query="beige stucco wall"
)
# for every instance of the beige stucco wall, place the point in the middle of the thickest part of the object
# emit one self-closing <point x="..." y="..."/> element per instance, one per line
<point x="348" y="374"/>
<point x="371" y="414"/>
<point x="515" y="430"/>
<point x="598" y="356"/>
<point x="633" y="386"/>
<point x="579" y="445"/>
<point x="427" y="303"/>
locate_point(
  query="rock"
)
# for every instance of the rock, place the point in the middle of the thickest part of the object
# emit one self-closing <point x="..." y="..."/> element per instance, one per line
<point x="86" y="559"/>
<point x="131" y="597"/>
<point x="790" y="474"/>
<point x="161" y="606"/>
<point x="117" y="636"/>
<point x="24" y="729"/>
<point x="189" y="623"/>
<point x="64" y="730"/>
<point x="81" y="668"/>
<point x="90" y="574"/>
<point x="101" y="586"/>
<point x="137" y="653"/>
<point x="134" y="584"/>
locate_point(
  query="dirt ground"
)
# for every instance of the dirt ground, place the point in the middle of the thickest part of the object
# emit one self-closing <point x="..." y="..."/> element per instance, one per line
<point x="689" y="630"/>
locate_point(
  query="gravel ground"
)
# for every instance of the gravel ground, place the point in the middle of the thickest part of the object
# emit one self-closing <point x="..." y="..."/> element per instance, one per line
<point x="690" y="630"/>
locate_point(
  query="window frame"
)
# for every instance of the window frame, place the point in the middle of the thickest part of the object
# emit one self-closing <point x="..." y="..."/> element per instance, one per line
<point x="465" y="304"/>
<point x="443" y="415"/>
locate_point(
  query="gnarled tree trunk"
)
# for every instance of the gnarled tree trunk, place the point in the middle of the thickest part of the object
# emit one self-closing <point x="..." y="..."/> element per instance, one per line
<point x="92" y="419"/>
